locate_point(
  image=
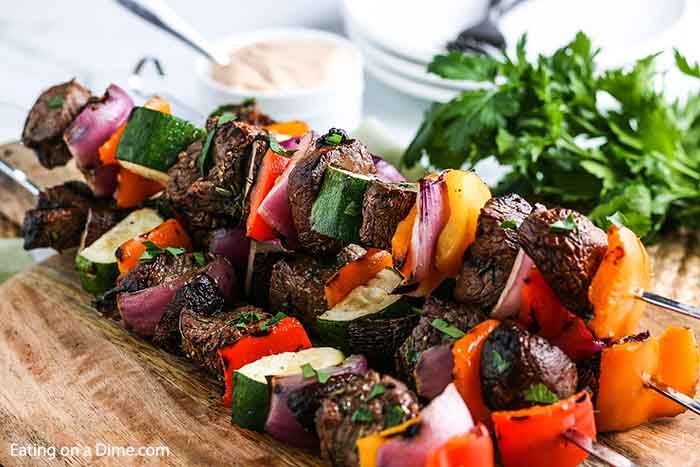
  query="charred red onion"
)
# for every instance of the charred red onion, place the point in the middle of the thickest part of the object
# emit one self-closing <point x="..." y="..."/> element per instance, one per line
<point x="387" y="172"/>
<point x="96" y="123"/>
<point x="434" y="371"/>
<point x="445" y="417"/>
<point x="432" y="216"/>
<point x="275" y="209"/>
<point x="281" y="422"/>
<point x="142" y="310"/>
<point x="232" y="244"/>
<point x="509" y="301"/>
<point x="104" y="180"/>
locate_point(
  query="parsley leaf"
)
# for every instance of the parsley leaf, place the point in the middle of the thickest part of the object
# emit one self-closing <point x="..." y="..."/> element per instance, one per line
<point x="275" y="147"/>
<point x="564" y="226"/>
<point x="203" y="160"/>
<point x="223" y="191"/>
<point x="334" y="139"/>
<point x="446" y="328"/>
<point x="540" y="394"/>
<point x="377" y="390"/>
<point x="175" y="251"/>
<point x="456" y="65"/>
<point x="685" y="67"/>
<point x="500" y="363"/>
<point x="56" y="102"/>
<point x="199" y="258"/>
<point x="308" y="371"/>
<point x="152" y="251"/>
<point x="395" y="416"/>
<point x="225" y="118"/>
<point x="322" y="376"/>
<point x="510" y="224"/>
<point x="617" y="219"/>
<point x="362" y="415"/>
<point x="273" y="321"/>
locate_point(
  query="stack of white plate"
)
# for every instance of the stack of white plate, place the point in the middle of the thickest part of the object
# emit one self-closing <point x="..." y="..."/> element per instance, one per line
<point x="398" y="39"/>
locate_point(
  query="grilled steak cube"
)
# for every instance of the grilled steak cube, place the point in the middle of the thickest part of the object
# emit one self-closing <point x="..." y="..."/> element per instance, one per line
<point x="49" y="117"/>
<point x="201" y="295"/>
<point x="489" y="260"/>
<point x="384" y="206"/>
<point x="348" y="415"/>
<point x="425" y="336"/>
<point x="297" y="283"/>
<point x="203" y="336"/>
<point x="216" y="199"/>
<point x="567" y="257"/>
<point x="519" y="369"/>
<point x="305" y="182"/>
<point x="246" y="112"/>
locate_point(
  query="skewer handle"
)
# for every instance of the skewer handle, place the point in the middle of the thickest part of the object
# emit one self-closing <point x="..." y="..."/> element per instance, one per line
<point x="667" y="303"/>
<point x="674" y="394"/>
<point x="597" y="450"/>
<point x="20" y="177"/>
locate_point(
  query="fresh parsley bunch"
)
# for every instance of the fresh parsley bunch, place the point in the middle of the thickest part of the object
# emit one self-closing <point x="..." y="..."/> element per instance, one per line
<point x="602" y="142"/>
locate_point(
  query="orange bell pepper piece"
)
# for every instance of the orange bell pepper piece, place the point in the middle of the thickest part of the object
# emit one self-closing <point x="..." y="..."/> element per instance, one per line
<point x="625" y="269"/>
<point x="108" y="150"/>
<point x="624" y="401"/>
<point x="272" y="166"/>
<point x="355" y="274"/>
<point x="168" y="234"/>
<point x="532" y="437"/>
<point x="290" y="128"/>
<point x="467" y="369"/>
<point x="466" y="195"/>
<point x="133" y="189"/>
<point x="473" y="449"/>
<point x="286" y="336"/>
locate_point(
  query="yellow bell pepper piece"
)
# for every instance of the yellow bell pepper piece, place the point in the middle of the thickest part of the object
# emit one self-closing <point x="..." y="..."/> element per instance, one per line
<point x="467" y="194"/>
<point x="368" y="447"/>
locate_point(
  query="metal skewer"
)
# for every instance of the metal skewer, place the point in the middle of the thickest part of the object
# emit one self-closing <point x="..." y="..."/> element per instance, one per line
<point x="596" y="449"/>
<point x="673" y="394"/>
<point x="668" y="304"/>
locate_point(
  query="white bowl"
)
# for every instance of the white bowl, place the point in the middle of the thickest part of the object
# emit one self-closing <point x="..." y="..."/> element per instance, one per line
<point x="338" y="104"/>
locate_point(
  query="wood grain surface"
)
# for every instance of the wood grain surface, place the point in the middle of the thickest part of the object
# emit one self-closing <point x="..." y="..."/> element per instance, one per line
<point x="70" y="377"/>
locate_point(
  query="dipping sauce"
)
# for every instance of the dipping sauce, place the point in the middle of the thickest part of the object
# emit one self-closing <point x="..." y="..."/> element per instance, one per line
<point x="283" y="65"/>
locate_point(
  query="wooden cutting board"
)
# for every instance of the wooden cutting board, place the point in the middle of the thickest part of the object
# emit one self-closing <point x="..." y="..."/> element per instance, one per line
<point x="71" y="378"/>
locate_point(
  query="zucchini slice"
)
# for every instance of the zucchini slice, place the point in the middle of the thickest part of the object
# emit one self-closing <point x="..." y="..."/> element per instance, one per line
<point x="97" y="265"/>
<point x="153" y="139"/>
<point x="337" y="211"/>
<point x="251" y="395"/>
<point x="373" y="300"/>
<point x="145" y="172"/>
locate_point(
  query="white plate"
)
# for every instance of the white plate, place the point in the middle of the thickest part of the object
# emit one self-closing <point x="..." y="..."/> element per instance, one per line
<point x="412" y="88"/>
<point x="416" y="30"/>
<point x="403" y="67"/>
<point x="625" y="29"/>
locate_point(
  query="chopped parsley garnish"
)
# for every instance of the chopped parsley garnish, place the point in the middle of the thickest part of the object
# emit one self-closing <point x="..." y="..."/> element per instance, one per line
<point x="540" y="394"/>
<point x="564" y="226"/>
<point x="273" y="321"/>
<point x="152" y="251"/>
<point x="446" y="328"/>
<point x="199" y="258"/>
<point x="308" y="371"/>
<point x="275" y="147"/>
<point x="203" y="160"/>
<point x="510" y="224"/>
<point x="377" y="390"/>
<point x="56" y="102"/>
<point x="413" y="356"/>
<point x="617" y="219"/>
<point x="225" y="118"/>
<point x="394" y="416"/>
<point x="500" y="363"/>
<point x="362" y="415"/>
<point x="246" y="318"/>
<point x="334" y="139"/>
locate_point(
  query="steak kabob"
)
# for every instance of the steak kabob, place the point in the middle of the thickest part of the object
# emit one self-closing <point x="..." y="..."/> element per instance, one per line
<point x="249" y="201"/>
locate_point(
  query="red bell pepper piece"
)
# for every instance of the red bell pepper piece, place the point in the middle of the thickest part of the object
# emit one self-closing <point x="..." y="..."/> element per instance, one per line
<point x="532" y="437"/>
<point x="473" y="449"/>
<point x="286" y="336"/>
<point x="168" y="234"/>
<point x="272" y="166"/>
<point x="542" y="312"/>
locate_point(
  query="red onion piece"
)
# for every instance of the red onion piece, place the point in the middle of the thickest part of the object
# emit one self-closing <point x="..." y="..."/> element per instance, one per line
<point x="142" y="310"/>
<point x="508" y="303"/>
<point x="431" y="218"/>
<point x="386" y="172"/>
<point x="434" y="371"/>
<point x="104" y="180"/>
<point x="445" y="417"/>
<point x="291" y="144"/>
<point x="232" y="244"/>
<point x="275" y="209"/>
<point x="96" y="123"/>
<point x="281" y="423"/>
